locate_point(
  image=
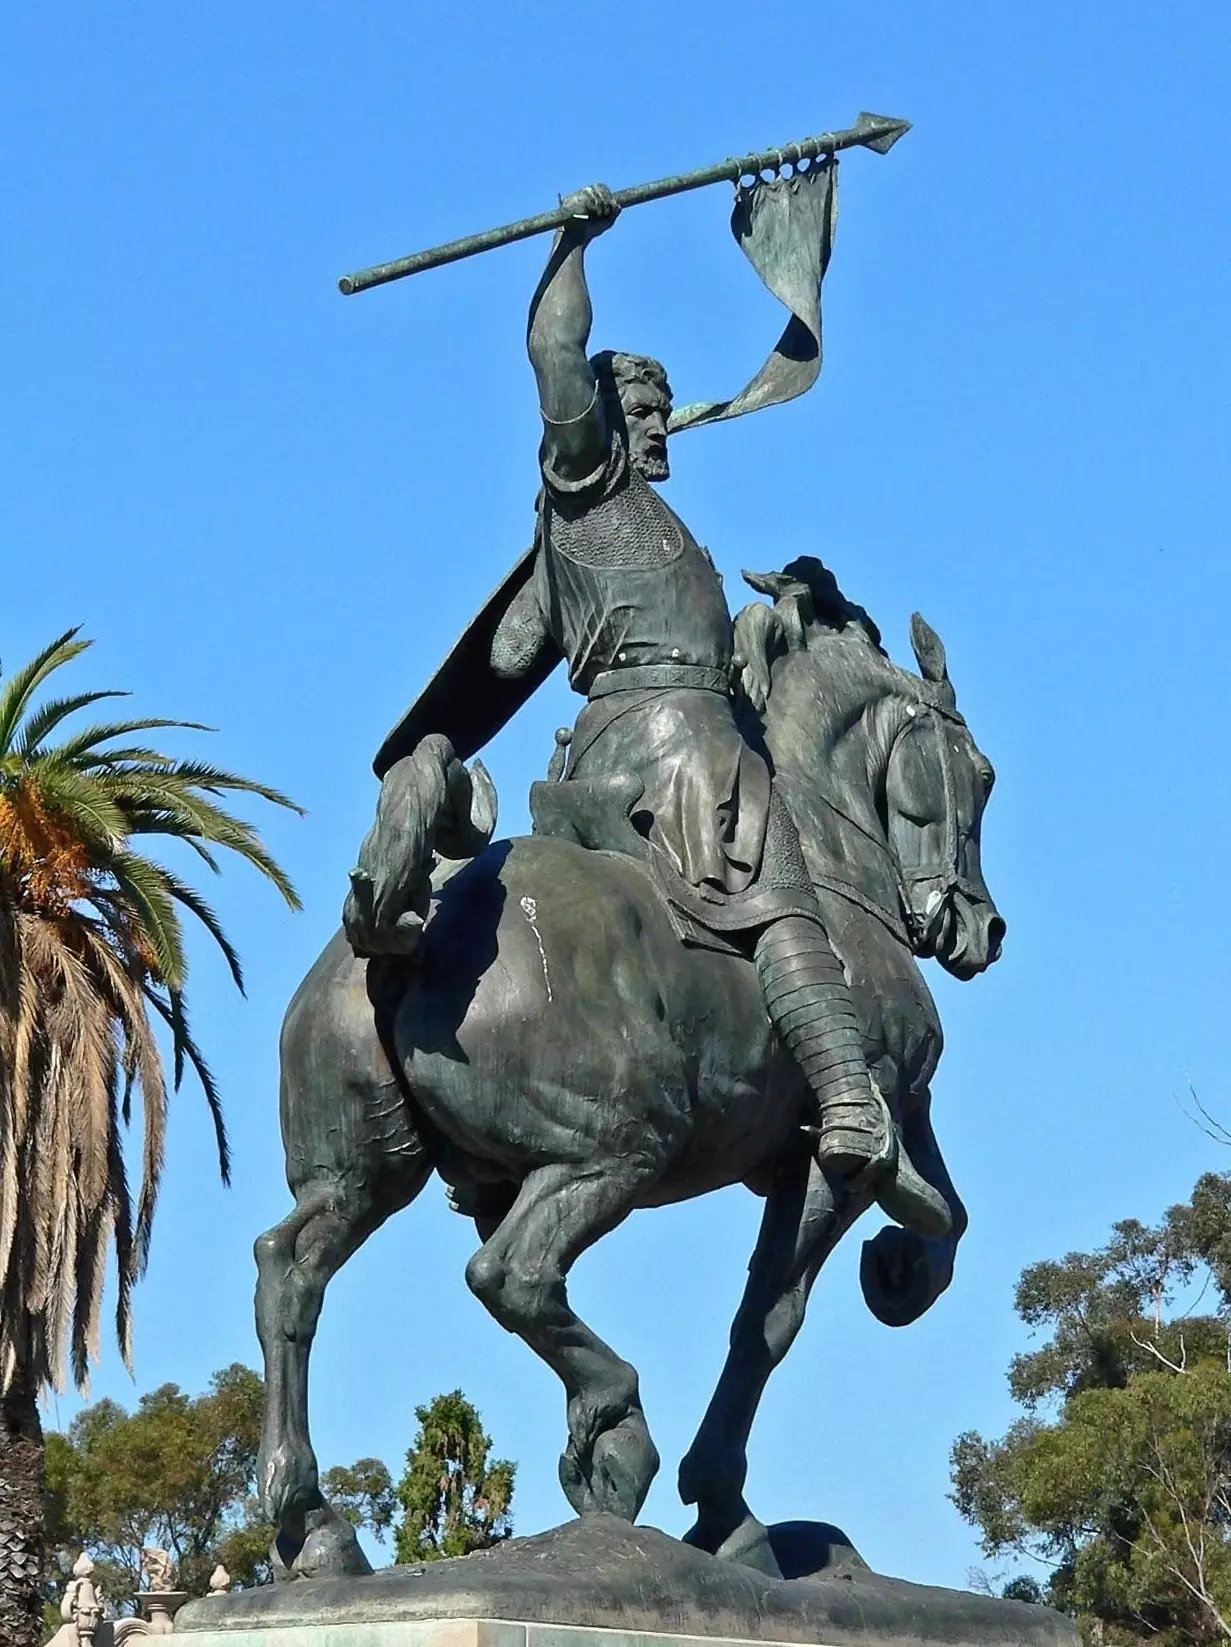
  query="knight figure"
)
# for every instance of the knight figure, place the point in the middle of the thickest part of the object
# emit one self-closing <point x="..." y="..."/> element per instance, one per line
<point x="618" y="587"/>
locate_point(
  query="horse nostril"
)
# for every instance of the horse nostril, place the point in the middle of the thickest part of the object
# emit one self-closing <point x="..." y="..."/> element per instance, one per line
<point x="995" y="937"/>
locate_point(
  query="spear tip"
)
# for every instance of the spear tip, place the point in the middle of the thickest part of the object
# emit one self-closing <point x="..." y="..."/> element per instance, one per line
<point x="882" y="131"/>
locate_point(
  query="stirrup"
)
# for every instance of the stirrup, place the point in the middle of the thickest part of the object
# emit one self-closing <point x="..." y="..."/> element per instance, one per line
<point x="883" y="1158"/>
<point x="884" y="1164"/>
<point x="897" y="1185"/>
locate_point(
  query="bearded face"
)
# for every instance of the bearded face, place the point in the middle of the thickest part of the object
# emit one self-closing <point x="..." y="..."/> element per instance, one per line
<point x="646" y="409"/>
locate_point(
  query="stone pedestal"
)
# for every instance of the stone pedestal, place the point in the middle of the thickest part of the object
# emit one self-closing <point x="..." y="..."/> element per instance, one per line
<point x="600" y="1582"/>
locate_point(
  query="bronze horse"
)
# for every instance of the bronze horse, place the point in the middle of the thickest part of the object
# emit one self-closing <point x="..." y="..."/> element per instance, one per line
<point x="560" y="1058"/>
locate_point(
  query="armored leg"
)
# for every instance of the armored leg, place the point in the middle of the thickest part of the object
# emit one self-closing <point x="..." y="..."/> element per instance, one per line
<point x="811" y="1008"/>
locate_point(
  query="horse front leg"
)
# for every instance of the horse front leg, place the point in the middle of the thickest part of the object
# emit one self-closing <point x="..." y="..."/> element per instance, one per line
<point x="519" y="1275"/>
<point x="902" y="1274"/>
<point x="804" y="1220"/>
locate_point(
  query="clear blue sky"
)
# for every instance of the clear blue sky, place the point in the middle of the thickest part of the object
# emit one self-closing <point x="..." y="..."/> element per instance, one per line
<point x="275" y="508"/>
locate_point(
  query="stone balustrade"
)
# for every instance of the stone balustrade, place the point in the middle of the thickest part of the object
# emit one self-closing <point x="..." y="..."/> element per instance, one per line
<point x="84" y="1605"/>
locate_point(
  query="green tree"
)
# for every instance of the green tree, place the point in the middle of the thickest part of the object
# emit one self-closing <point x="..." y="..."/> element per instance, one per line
<point x="453" y="1501"/>
<point x="179" y="1474"/>
<point x="92" y="960"/>
<point x="1118" y="1476"/>
<point x="363" y="1493"/>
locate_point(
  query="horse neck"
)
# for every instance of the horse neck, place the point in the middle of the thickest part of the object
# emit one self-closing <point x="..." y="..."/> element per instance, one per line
<point x="828" y="730"/>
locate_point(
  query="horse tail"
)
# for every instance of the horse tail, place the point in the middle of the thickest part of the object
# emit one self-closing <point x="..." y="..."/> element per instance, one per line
<point x="430" y="807"/>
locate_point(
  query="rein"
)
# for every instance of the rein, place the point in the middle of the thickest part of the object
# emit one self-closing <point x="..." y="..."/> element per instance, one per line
<point x="905" y="925"/>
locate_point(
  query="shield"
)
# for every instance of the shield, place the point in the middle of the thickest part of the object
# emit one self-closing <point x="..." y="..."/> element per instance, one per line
<point x="465" y="700"/>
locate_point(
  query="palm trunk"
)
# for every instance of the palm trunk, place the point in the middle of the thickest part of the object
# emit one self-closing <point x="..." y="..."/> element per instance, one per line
<point x="21" y="1517"/>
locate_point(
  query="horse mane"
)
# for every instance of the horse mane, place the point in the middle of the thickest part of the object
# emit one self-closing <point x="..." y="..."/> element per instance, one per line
<point x="806" y="600"/>
<point x="830" y="607"/>
<point x="807" y="605"/>
<point x="807" y="591"/>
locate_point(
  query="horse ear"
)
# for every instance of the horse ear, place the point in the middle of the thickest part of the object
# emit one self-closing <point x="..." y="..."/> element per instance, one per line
<point x="929" y="651"/>
<point x="772" y="584"/>
<point x="792" y="602"/>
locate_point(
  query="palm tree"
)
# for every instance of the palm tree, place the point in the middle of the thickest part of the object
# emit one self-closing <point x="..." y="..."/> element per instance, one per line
<point x="92" y="967"/>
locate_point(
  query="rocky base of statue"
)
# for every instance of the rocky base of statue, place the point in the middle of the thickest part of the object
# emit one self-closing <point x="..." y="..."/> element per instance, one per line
<point x="600" y="1573"/>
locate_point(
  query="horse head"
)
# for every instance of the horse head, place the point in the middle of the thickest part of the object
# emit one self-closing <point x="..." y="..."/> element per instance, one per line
<point x="884" y="779"/>
<point x="937" y="784"/>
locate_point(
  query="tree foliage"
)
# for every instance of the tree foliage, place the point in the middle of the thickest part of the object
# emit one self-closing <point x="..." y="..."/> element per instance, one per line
<point x="179" y="1474"/>
<point x="363" y="1493"/>
<point x="1118" y="1475"/>
<point x="453" y="1500"/>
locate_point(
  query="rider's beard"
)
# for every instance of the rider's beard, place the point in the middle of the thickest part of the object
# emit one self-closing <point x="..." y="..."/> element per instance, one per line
<point x="652" y="465"/>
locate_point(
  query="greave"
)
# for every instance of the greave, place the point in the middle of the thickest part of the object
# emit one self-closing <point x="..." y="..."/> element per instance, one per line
<point x="810" y="1005"/>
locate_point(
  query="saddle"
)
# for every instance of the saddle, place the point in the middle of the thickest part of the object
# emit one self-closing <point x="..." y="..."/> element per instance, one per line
<point x="596" y="813"/>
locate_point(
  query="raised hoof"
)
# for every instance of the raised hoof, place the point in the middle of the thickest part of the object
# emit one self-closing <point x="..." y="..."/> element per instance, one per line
<point x="330" y="1549"/>
<point x="874" y="1159"/>
<point x="902" y="1275"/>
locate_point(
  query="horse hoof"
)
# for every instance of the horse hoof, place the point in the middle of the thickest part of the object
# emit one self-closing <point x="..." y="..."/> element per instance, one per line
<point x="616" y="1477"/>
<point x="911" y="1201"/>
<point x="749" y="1546"/>
<point x="902" y="1276"/>
<point x="627" y="1461"/>
<point x="328" y="1549"/>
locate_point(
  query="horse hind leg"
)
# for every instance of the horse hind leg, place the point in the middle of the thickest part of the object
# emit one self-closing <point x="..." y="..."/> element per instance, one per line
<point x="295" y="1262"/>
<point x="353" y="1158"/>
<point x="519" y="1275"/>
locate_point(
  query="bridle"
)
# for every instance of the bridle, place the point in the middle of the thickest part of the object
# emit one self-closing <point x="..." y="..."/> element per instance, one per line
<point x="907" y="926"/>
<point x="940" y="715"/>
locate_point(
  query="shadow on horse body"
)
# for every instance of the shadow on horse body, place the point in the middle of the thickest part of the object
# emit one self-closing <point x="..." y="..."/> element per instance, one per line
<point x="560" y="1058"/>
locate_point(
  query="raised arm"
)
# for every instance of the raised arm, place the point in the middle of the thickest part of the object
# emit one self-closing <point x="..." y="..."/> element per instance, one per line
<point x="574" y="428"/>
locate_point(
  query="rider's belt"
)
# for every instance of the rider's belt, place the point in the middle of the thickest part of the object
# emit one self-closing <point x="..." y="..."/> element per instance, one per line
<point x="657" y="676"/>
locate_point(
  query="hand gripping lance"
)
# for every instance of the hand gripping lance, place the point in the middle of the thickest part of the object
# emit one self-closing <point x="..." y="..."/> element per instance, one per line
<point x="870" y="131"/>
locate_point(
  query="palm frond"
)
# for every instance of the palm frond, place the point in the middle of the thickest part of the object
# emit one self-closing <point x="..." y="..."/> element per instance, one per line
<point x="143" y="885"/>
<point x="88" y="739"/>
<point x="213" y="778"/>
<point x="192" y="900"/>
<point x="155" y="797"/>
<point x="92" y="958"/>
<point x="48" y="716"/>
<point x="15" y="695"/>
<point x="174" y="1014"/>
<point x="82" y="804"/>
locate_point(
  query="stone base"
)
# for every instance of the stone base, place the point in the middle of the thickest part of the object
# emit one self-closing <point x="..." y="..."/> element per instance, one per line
<point x="600" y="1582"/>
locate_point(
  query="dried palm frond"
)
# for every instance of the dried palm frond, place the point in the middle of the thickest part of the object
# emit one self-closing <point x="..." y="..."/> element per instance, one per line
<point x="91" y="944"/>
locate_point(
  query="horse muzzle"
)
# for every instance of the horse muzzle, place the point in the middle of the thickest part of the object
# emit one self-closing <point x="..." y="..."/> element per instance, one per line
<point x="970" y="935"/>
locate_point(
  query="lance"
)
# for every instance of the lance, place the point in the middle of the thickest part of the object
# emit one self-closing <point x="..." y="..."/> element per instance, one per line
<point x="870" y="131"/>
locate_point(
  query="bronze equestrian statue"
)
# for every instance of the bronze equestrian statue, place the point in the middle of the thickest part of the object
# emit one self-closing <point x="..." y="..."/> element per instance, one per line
<point x="699" y="970"/>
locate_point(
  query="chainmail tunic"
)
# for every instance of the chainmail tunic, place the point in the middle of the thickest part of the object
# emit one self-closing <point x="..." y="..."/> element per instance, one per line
<point x="621" y="579"/>
<point x="622" y="583"/>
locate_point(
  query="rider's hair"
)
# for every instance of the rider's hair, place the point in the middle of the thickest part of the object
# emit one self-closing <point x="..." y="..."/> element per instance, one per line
<point x="614" y="371"/>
